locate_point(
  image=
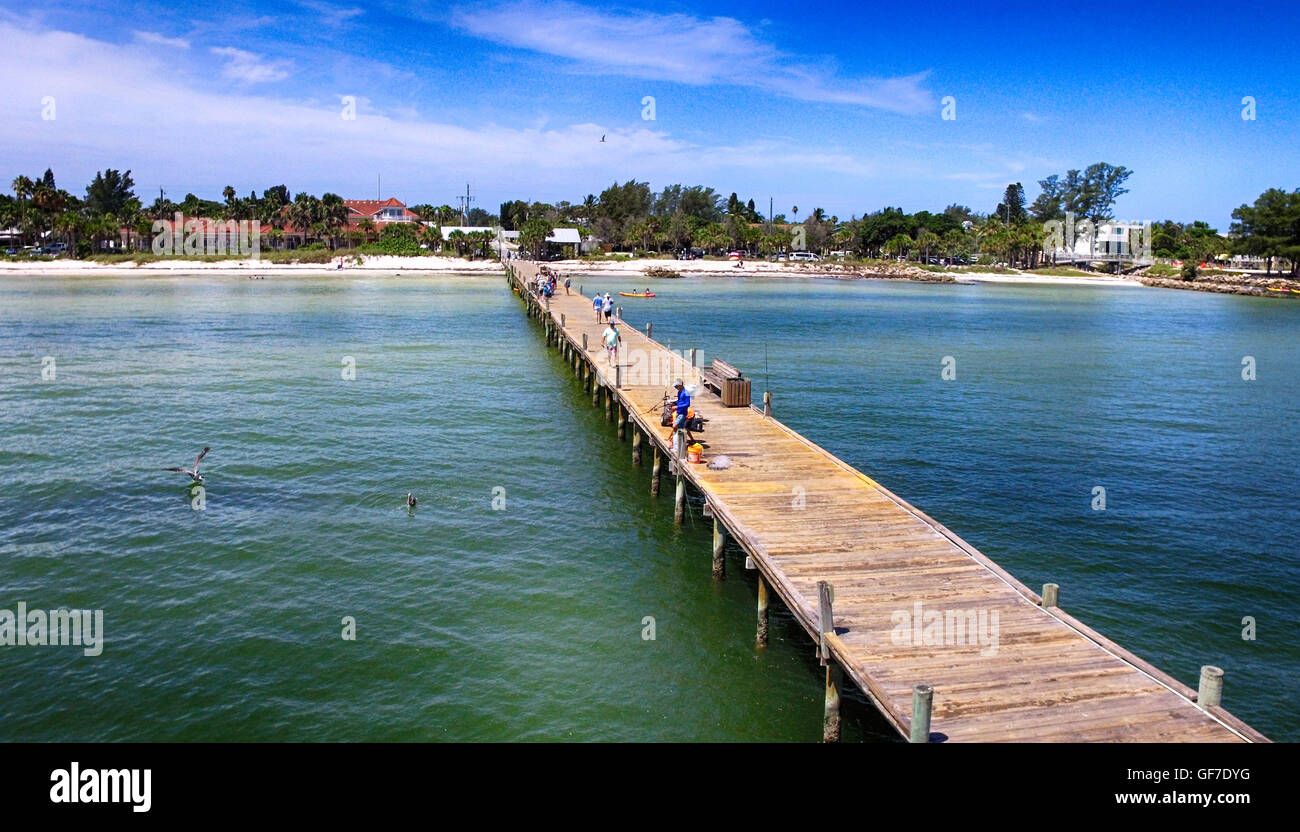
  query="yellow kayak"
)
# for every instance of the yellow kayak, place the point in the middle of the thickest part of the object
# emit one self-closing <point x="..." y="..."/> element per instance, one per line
<point x="637" y="294"/>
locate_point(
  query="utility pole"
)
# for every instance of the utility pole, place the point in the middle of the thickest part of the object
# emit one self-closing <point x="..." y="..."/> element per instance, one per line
<point x="464" y="205"/>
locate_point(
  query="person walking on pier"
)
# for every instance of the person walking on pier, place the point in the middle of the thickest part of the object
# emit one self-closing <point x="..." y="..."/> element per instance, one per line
<point x="608" y="308"/>
<point x="567" y="283"/>
<point x="598" y="303"/>
<point x="611" y="340"/>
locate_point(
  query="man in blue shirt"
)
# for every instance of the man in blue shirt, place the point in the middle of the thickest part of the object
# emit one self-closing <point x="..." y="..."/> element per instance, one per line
<point x="683" y="407"/>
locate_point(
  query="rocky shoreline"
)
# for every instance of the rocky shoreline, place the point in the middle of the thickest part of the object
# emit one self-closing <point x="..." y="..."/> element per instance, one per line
<point x="1255" y="285"/>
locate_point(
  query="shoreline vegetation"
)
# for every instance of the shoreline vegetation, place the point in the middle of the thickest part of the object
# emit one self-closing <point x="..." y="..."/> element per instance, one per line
<point x="316" y="263"/>
<point x="677" y="230"/>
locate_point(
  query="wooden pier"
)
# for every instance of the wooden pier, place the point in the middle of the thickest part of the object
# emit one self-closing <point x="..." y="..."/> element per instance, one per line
<point x="944" y="642"/>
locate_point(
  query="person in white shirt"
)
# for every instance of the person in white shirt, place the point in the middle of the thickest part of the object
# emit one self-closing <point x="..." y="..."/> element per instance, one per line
<point x="611" y="338"/>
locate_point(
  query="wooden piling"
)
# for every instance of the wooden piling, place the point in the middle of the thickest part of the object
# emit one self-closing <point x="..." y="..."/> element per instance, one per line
<point x="636" y="445"/>
<point x="831" y="709"/>
<point x="922" y="701"/>
<point x="622" y="422"/>
<point x="649" y="331"/>
<point x="1051" y="595"/>
<point x="609" y="405"/>
<point x="719" y="543"/>
<point x="595" y="388"/>
<point x="654" y="473"/>
<point x="1210" y="692"/>
<point x="679" y="503"/>
<point x="762" y="610"/>
<point x="767" y="404"/>
<point x="825" y="619"/>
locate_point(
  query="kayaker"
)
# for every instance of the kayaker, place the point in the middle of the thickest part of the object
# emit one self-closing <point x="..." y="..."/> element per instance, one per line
<point x="683" y="408"/>
<point x="611" y="338"/>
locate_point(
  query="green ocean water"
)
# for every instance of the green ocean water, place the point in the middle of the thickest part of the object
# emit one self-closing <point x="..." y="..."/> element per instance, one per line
<point x="527" y="622"/>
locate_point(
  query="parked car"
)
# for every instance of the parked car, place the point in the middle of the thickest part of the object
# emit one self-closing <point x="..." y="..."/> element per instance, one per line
<point x="805" y="256"/>
<point x="11" y="251"/>
<point x="736" y="255"/>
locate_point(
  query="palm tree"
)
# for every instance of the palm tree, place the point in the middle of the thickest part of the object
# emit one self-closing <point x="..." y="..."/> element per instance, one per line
<point x="22" y="187"/>
<point x="431" y="236"/>
<point x="334" y="214"/>
<point x="926" y="241"/>
<point x="367" y="227"/>
<point x="68" y="224"/>
<point x="899" y="245"/>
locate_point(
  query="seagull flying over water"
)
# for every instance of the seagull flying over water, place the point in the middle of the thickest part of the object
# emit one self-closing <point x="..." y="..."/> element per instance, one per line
<point x="602" y="137"/>
<point x="193" y="472"/>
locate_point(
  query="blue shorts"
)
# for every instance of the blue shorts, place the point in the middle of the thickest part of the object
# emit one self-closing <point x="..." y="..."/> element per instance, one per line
<point x="680" y="421"/>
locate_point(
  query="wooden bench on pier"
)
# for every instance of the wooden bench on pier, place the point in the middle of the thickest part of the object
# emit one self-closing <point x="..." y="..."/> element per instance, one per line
<point x="727" y="382"/>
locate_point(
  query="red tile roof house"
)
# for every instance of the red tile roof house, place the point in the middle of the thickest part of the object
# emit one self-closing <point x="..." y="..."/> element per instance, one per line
<point x="379" y="211"/>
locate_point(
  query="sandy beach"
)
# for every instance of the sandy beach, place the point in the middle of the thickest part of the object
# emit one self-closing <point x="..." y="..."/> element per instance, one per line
<point x="443" y="265"/>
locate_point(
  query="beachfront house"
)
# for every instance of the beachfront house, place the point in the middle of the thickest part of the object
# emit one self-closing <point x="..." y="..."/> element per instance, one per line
<point x="564" y="242"/>
<point x="380" y="212"/>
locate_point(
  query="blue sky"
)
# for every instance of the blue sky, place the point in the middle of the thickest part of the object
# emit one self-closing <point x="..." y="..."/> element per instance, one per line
<point x="836" y="105"/>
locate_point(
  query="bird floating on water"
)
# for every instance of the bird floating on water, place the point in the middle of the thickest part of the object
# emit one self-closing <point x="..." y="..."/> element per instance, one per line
<point x="410" y="500"/>
<point x="193" y="472"/>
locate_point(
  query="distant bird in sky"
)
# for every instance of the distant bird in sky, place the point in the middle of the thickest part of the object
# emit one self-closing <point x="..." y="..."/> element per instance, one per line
<point x="193" y="472"/>
<point x="410" y="500"/>
<point x="602" y="137"/>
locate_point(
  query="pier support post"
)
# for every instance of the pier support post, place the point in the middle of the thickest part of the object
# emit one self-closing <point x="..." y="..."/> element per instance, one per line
<point x="831" y="710"/>
<point x="654" y="474"/>
<point x="609" y="405"/>
<point x="694" y="358"/>
<point x="584" y="343"/>
<point x="649" y="331"/>
<point x="762" y="611"/>
<point x="618" y="376"/>
<point x="1051" y="595"/>
<point x="922" y="701"/>
<point x="636" y="445"/>
<point x="1210" y="692"/>
<point x="622" y="422"/>
<point x="595" y="388"/>
<point x="767" y="404"/>
<point x="825" y="619"/>
<point x="563" y="322"/>
<point x="679" y="503"/>
<point x="719" y="543"/>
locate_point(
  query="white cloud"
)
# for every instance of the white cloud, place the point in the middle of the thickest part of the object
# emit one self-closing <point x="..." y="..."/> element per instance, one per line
<point x="128" y="106"/>
<point x="330" y="15"/>
<point x="249" y="67"/>
<point x="682" y="48"/>
<point x="161" y="40"/>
